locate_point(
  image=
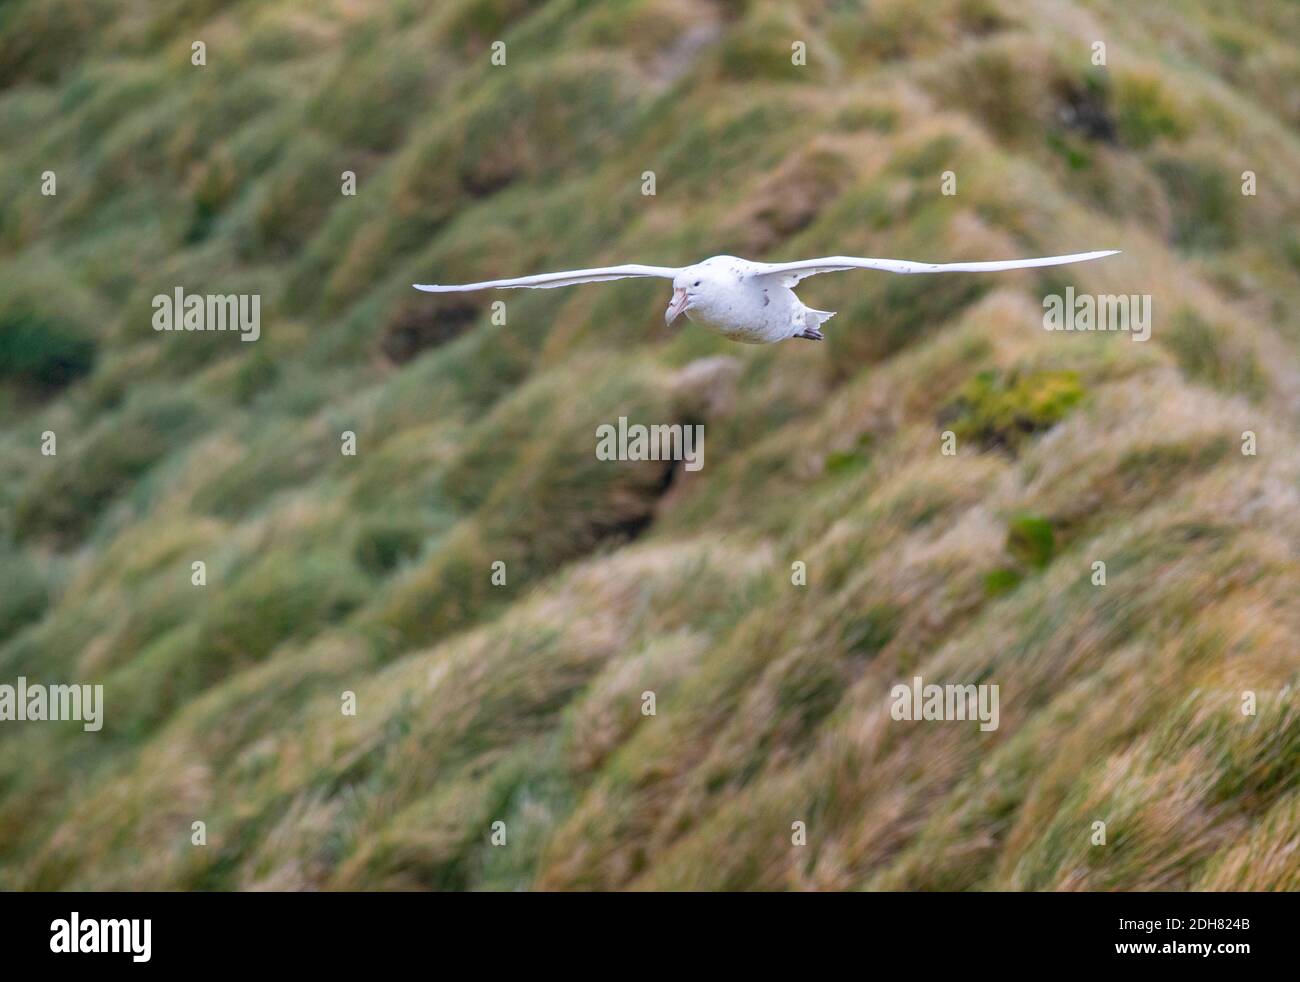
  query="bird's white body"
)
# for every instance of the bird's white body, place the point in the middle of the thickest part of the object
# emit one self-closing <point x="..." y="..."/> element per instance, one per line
<point x="752" y="302"/>
<point x="734" y="300"/>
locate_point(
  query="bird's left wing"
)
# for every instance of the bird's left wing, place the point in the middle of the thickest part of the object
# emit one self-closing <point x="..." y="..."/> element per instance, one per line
<point x="792" y="273"/>
<point x="547" y="281"/>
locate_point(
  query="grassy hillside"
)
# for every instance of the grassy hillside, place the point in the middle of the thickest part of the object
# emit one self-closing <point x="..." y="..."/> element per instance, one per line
<point x="371" y="574"/>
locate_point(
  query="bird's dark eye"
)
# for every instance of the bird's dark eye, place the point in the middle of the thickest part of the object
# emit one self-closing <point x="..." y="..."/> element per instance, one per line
<point x="697" y="282"/>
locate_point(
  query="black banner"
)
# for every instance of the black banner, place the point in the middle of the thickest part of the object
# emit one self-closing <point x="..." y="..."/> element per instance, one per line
<point x="936" y="932"/>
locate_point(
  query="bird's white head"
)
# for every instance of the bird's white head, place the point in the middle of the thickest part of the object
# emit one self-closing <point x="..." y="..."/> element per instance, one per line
<point x="695" y="283"/>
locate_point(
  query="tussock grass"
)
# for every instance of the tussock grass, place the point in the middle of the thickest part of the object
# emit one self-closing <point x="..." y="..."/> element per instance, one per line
<point x="523" y="702"/>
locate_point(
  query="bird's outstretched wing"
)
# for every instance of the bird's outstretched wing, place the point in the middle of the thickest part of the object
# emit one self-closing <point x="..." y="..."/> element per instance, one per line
<point x="547" y="281"/>
<point x="792" y="273"/>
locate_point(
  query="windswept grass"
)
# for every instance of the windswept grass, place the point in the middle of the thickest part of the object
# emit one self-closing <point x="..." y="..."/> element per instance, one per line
<point x="648" y="674"/>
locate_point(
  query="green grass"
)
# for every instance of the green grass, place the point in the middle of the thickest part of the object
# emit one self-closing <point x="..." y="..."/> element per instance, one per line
<point x="523" y="700"/>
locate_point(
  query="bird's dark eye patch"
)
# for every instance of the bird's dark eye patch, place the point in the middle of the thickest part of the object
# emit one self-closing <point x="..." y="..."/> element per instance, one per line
<point x="697" y="283"/>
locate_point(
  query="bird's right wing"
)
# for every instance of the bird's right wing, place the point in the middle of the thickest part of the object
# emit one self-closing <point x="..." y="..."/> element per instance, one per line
<point x="547" y="281"/>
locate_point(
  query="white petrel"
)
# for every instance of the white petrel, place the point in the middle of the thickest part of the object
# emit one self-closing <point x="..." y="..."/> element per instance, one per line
<point x="748" y="301"/>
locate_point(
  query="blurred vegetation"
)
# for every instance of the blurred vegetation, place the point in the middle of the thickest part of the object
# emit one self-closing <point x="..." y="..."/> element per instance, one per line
<point x="521" y="701"/>
<point x="1005" y="410"/>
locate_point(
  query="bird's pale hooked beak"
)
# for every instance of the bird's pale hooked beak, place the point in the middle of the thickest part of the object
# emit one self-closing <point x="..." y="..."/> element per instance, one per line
<point x="676" y="307"/>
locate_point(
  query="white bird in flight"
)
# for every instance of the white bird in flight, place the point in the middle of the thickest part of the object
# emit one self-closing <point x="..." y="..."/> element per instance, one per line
<point x="747" y="301"/>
